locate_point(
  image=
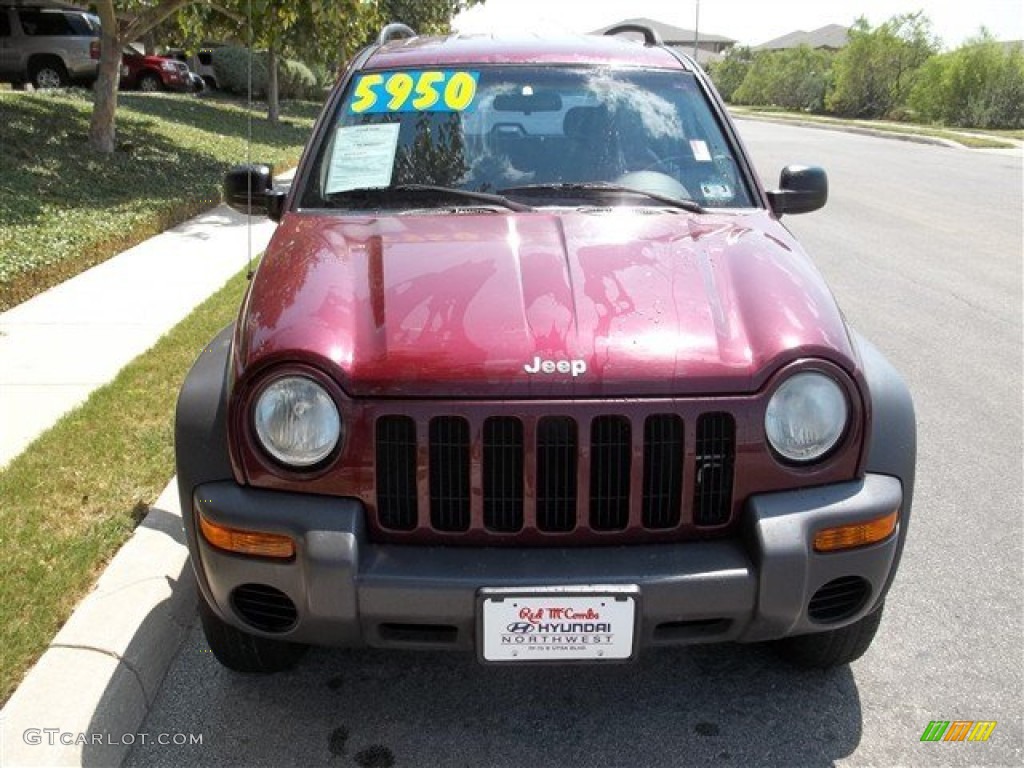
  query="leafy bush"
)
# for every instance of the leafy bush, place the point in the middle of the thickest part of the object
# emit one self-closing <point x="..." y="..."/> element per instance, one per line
<point x="876" y="71"/>
<point x="295" y="80"/>
<point x="979" y="85"/>
<point x="796" y="78"/>
<point x="231" y="65"/>
<point x="729" y="73"/>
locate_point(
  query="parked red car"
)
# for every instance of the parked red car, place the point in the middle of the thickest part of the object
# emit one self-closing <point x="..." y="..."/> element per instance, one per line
<point x="532" y="368"/>
<point x="154" y="73"/>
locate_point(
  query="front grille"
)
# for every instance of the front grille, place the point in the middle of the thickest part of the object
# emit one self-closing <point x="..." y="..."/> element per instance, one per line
<point x="716" y="453"/>
<point x="557" y="452"/>
<point x="532" y="476"/>
<point x="449" y="474"/>
<point x="610" y="451"/>
<point x="396" y="472"/>
<point x="503" y="474"/>
<point x="663" y="470"/>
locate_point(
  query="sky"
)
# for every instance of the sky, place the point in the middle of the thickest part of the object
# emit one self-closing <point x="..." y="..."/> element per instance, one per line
<point x="748" y="21"/>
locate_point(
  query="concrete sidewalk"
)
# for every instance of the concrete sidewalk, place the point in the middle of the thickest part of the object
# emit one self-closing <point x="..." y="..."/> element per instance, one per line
<point x="58" y="347"/>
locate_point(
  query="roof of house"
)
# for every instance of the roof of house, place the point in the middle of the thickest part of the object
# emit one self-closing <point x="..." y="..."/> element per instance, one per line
<point x="833" y="36"/>
<point x="668" y="33"/>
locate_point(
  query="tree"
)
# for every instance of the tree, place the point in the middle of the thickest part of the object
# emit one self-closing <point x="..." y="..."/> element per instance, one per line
<point x="794" y="78"/>
<point x="427" y="17"/>
<point x="334" y="29"/>
<point x="328" y="30"/>
<point x="979" y="85"/>
<point x="115" y="34"/>
<point x="875" y="72"/>
<point x="729" y="73"/>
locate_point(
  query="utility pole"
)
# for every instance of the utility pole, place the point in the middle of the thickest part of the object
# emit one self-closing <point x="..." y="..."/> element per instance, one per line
<point x="696" y="30"/>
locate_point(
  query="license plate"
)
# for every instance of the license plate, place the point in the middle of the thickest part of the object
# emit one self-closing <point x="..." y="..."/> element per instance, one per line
<point x="558" y="624"/>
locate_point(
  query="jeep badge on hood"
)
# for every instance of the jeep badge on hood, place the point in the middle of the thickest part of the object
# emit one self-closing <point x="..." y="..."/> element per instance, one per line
<point x="539" y="365"/>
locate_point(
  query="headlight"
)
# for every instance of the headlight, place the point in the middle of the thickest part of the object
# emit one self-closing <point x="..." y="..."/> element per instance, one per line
<point x="806" y="417"/>
<point x="296" y="421"/>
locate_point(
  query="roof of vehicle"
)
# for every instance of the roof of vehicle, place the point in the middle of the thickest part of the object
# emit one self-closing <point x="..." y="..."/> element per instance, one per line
<point x="522" y="49"/>
<point x="43" y="5"/>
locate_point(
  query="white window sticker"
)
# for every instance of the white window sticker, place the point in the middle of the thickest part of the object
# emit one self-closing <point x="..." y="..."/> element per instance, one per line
<point x="700" y="151"/>
<point x="363" y="156"/>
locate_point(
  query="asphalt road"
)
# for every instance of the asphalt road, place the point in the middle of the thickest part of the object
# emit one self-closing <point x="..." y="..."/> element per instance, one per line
<point x="923" y="248"/>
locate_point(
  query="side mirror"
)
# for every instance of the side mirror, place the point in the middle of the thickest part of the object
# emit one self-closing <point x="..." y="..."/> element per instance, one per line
<point x="802" y="189"/>
<point x="250" y="189"/>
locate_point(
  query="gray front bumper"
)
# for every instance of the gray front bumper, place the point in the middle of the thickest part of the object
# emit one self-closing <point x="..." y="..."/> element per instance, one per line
<point x="350" y="591"/>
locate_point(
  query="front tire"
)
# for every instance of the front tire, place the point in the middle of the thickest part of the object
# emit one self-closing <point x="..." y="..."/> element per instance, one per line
<point x="243" y="652"/>
<point x="150" y="83"/>
<point x="832" y="648"/>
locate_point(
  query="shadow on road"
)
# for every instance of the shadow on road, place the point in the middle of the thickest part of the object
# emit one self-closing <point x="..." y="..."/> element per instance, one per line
<point x="715" y="705"/>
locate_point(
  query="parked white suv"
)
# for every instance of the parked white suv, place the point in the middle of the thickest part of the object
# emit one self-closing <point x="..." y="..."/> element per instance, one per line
<point x="48" y="46"/>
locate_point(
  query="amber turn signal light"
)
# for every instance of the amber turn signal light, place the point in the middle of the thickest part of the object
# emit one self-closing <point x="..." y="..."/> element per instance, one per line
<point x="247" y="542"/>
<point x="856" y="535"/>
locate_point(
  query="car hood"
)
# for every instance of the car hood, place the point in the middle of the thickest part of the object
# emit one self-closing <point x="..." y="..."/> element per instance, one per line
<point x="610" y="302"/>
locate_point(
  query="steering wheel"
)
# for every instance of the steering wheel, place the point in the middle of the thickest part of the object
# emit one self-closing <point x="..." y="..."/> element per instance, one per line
<point x="655" y="182"/>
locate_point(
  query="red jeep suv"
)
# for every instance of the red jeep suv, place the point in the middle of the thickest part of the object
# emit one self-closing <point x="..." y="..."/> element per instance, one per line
<point x="153" y="73"/>
<point x="531" y="368"/>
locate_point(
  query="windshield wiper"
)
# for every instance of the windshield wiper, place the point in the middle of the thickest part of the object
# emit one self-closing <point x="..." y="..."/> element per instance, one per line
<point x="428" y="190"/>
<point x="584" y="188"/>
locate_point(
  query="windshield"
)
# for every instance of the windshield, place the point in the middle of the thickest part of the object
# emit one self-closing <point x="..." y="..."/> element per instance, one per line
<point x="520" y="131"/>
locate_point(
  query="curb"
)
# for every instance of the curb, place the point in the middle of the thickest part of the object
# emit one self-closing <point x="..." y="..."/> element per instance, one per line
<point x="914" y="138"/>
<point x="84" y="700"/>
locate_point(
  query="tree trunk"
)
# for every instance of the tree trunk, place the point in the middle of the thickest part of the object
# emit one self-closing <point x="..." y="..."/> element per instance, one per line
<point x="102" y="127"/>
<point x="273" y="109"/>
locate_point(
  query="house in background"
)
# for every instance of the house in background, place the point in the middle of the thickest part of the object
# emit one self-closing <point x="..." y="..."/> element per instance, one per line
<point x="709" y="47"/>
<point x="831" y="37"/>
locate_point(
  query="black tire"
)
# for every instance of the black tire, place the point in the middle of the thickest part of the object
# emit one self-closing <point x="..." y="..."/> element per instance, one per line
<point x="150" y="83"/>
<point x="832" y="648"/>
<point x="243" y="652"/>
<point x="48" y="73"/>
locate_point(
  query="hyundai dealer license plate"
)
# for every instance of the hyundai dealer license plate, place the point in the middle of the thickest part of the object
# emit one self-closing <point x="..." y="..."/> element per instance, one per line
<point x="558" y="623"/>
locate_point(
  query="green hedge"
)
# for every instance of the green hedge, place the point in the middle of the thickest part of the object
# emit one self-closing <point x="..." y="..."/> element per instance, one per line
<point x="794" y="79"/>
<point x="890" y="71"/>
<point x="979" y="85"/>
<point x="231" y="64"/>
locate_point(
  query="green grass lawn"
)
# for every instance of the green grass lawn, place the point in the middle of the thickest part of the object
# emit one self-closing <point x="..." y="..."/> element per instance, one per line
<point x="64" y="208"/>
<point x="73" y="497"/>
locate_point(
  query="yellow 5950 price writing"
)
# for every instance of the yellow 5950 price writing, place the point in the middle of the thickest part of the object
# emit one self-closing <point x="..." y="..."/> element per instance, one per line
<point x="418" y="91"/>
